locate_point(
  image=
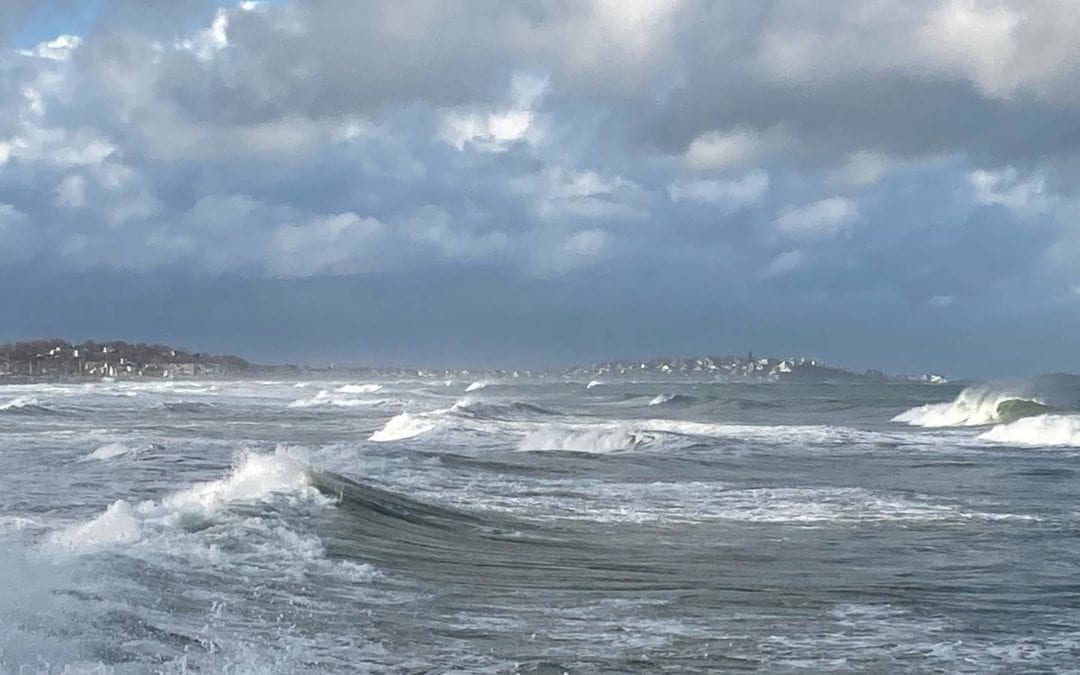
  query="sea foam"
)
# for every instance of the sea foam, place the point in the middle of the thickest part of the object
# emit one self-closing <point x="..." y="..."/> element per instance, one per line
<point x="1038" y="431"/>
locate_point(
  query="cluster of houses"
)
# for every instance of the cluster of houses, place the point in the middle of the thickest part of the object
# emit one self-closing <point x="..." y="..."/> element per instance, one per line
<point x="57" y="359"/>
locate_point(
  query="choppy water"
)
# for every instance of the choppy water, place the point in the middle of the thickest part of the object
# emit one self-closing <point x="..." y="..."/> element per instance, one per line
<point x="535" y="527"/>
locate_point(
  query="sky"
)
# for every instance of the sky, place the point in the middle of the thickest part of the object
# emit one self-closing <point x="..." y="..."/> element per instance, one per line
<point x="880" y="184"/>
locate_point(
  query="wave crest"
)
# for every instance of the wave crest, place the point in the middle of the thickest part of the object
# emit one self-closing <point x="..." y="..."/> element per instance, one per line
<point x="402" y="426"/>
<point x="992" y="403"/>
<point x="255" y="477"/>
<point x="595" y="440"/>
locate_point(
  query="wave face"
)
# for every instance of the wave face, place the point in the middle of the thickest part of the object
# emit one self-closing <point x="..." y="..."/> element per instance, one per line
<point x="992" y="403"/>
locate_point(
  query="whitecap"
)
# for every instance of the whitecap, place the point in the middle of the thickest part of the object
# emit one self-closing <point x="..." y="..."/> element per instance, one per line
<point x="255" y="477"/>
<point x="360" y="388"/>
<point x="1039" y="431"/>
<point x="595" y="440"/>
<point x="402" y="426"/>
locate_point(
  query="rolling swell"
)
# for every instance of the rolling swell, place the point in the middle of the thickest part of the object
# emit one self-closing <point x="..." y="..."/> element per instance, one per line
<point x="402" y="535"/>
<point x="501" y="411"/>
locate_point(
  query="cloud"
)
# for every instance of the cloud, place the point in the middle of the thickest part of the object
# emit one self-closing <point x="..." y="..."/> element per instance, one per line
<point x="862" y="168"/>
<point x="724" y="150"/>
<point x="823" y="219"/>
<point x="783" y="263"/>
<point x="1005" y="188"/>
<point x="660" y="149"/>
<point x="729" y="194"/>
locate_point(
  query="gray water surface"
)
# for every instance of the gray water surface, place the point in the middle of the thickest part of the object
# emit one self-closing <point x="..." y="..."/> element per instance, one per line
<point x="531" y="526"/>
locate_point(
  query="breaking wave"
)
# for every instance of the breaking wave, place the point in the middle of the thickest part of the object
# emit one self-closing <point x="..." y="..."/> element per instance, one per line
<point x="476" y="386"/>
<point x="1039" y="431"/>
<point x="672" y="399"/>
<point x="332" y="399"/>
<point x="119" y="449"/>
<point x="993" y="403"/>
<point x="402" y="426"/>
<point x="254" y="478"/>
<point x="592" y="440"/>
<point x="360" y="388"/>
<point x="26" y="405"/>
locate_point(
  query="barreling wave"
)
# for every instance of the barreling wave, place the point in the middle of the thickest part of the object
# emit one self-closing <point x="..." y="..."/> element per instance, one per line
<point x="1038" y="431"/>
<point x="984" y="404"/>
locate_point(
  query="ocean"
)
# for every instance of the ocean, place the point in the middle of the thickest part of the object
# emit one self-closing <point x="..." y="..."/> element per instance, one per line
<point x="539" y="526"/>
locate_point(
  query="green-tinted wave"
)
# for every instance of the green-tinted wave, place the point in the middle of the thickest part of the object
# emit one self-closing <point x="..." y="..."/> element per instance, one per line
<point x="1017" y="408"/>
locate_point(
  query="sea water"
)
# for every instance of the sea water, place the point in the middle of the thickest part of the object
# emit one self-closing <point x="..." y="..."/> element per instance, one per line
<point x="538" y="525"/>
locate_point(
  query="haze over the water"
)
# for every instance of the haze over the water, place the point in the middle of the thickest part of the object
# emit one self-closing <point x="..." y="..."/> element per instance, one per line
<point x="886" y="184"/>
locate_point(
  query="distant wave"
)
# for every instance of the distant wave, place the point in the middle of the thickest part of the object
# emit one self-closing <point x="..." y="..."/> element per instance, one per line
<point x="1038" y="431"/>
<point x="993" y="403"/>
<point x="472" y="407"/>
<point x="593" y="383"/>
<point x="476" y="386"/>
<point x="26" y="405"/>
<point x="360" y="388"/>
<point x="594" y="440"/>
<point x="186" y="406"/>
<point x="672" y="399"/>
<point x="333" y="399"/>
<point x="20" y="402"/>
<point x="402" y="426"/>
<point x="119" y="449"/>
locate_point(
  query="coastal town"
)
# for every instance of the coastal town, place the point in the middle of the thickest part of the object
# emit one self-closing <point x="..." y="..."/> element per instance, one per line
<point x="59" y="359"/>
